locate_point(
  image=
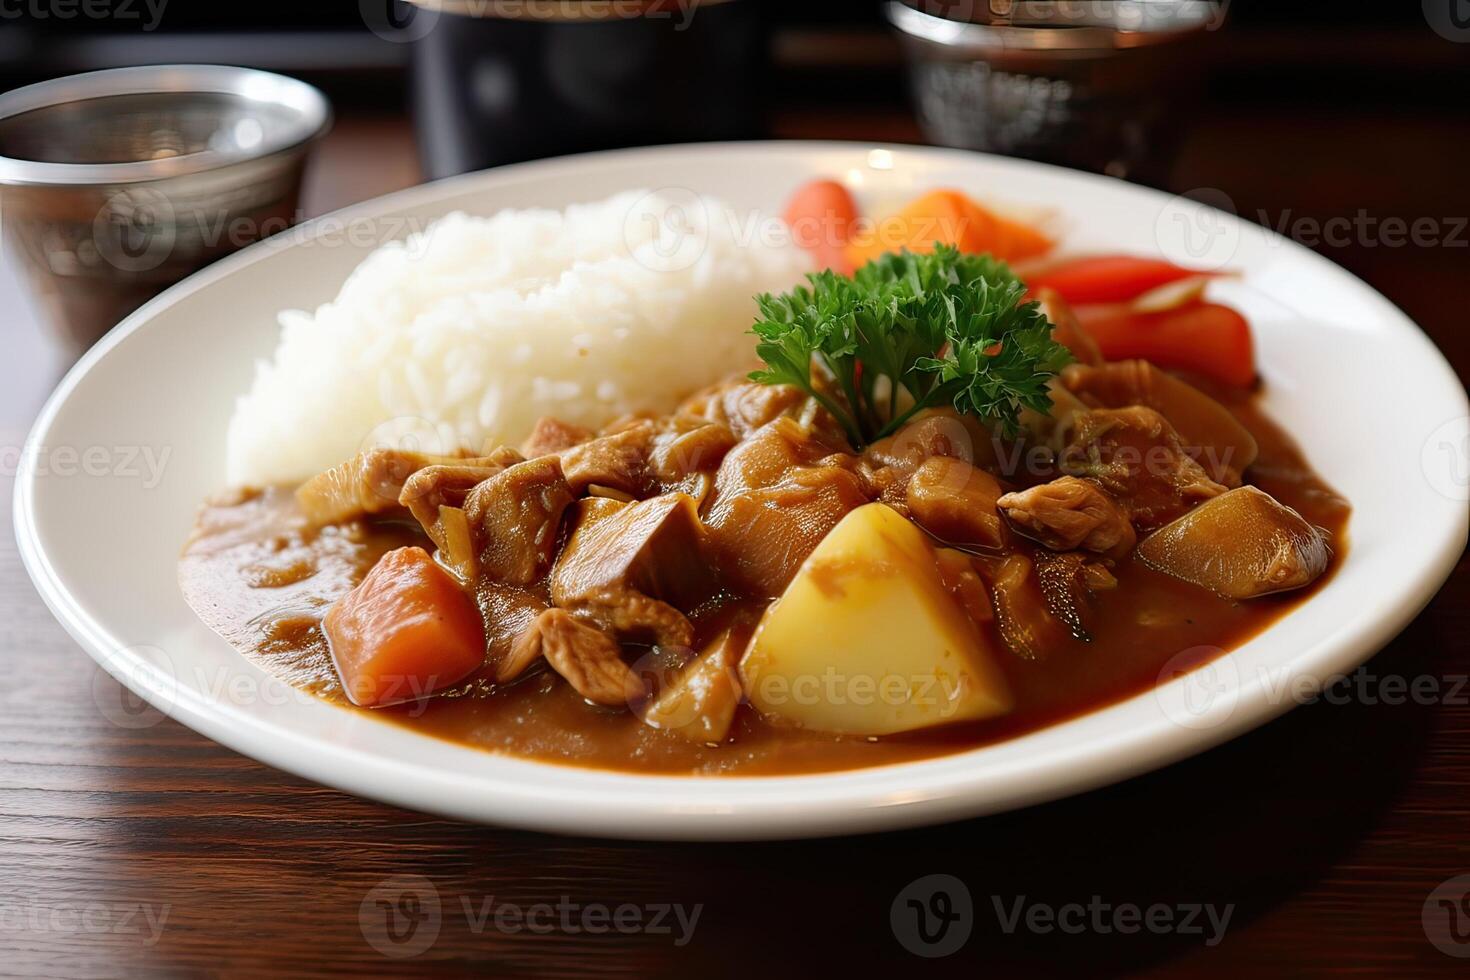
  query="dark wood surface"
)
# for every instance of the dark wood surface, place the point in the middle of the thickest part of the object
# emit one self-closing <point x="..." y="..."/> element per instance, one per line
<point x="145" y="849"/>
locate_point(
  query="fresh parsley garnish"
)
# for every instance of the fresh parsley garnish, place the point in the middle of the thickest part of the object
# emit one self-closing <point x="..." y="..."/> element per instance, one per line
<point x="940" y="328"/>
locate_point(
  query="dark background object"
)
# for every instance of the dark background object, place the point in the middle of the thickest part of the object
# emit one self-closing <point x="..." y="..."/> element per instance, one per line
<point x="489" y="90"/>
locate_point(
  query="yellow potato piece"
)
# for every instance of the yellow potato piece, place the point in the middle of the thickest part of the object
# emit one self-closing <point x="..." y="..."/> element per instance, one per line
<point x="867" y="641"/>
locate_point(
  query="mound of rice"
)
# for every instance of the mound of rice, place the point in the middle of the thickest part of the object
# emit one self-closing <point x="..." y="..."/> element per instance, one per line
<point x="466" y="333"/>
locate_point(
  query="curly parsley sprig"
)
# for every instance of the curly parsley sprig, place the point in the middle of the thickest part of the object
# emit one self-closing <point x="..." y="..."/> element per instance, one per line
<point x="942" y="327"/>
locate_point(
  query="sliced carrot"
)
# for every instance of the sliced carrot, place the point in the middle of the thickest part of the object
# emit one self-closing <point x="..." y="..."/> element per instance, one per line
<point x="1107" y="278"/>
<point x="821" y="215"/>
<point x="953" y="218"/>
<point x="1208" y="338"/>
<point x="407" y="631"/>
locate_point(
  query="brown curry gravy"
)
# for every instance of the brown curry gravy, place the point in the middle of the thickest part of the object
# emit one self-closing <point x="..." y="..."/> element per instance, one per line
<point x="253" y="575"/>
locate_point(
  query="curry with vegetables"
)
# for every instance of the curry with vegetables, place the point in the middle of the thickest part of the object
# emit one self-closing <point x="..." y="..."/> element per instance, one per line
<point x="937" y="517"/>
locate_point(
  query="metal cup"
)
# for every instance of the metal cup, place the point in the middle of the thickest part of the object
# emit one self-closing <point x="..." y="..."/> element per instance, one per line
<point x="116" y="184"/>
<point x="1092" y="84"/>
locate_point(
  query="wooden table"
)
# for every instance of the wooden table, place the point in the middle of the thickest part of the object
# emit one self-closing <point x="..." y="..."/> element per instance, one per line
<point x="150" y="849"/>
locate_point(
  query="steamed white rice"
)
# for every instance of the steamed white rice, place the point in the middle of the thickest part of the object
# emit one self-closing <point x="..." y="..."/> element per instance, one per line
<point x="466" y="333"/>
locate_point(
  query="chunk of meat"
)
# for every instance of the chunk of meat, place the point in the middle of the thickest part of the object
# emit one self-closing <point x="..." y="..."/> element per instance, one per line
<point x="687" y="445"/>
<point x="744" y="406"/>
<point x="1023" y="617"/>
<point x="584" y="655"/>
<point x="430" y="490"/>
<point x="630" y="568"/>
<point x="1067" y="330"/>
<point x="777" y="494"/>
<point x="514" y="520"/>
<point x="406" y="631"/>
<point x="1240" y="545"/>
<point x="961" y="577"/>
<point x="1137" y="457"/>
<point x="1070" y="513"/>
<point x="369" y="483"/>
<point x="939" y="432"/>
<point x="699" y="703"/>
<point x="616" y="461"/>
<point x="1211" y="434"/>
<point x="956" y="502"/>
<point x="552" y="435"/>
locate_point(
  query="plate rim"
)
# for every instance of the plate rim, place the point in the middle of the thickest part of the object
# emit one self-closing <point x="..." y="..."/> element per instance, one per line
<point x="665" y="816"/>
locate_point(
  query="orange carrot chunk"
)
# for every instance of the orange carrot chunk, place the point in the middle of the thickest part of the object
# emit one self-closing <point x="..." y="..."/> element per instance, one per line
<point x="821" y="215"/>
<point x="1108" y="278"/>
<point x="407" y="631"/>
<point x="952" y="218"/>
<point x="1208" y="338"/>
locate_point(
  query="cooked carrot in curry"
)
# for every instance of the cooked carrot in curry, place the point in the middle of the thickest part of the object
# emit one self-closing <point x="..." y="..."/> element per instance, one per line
<point x="407" y="631"/>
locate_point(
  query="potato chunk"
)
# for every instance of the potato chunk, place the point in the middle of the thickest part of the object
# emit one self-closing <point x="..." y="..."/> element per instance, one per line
<point x="867" y="640"/>
<point x="1240" y="545"/>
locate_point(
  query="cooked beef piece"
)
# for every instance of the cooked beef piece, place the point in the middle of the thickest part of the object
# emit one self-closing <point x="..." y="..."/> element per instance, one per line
<point x="514" y="519"/>
<point x="1210" y="433"/>
<point x="631" y="567"/>
<point x="1067" y="331"/>
<point x="617" y="460"/>
<point x="744" y="406"/>
<point x="1023" y="616"/>
<point x="449" y="484"/>
<point x="941" y="432"/>
<point x="956" y="502"/>
<point x="777" y="494"/>
<point x="552" y="435"/>
<point x="509" y="611"/>
<point x="368" y="483"/>
<point x="1136" y="456"/>
<point x="1242" y="544"/>
<point x="686" y="445"/>
<point x="960" y="575"/>
<point x="588" y="658"/>
<point x="1070" y="513"/>
<point x="1066" y="586"/>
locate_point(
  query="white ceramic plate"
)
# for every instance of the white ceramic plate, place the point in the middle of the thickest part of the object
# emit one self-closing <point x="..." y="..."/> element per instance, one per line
<point x="1381" y="414"/>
